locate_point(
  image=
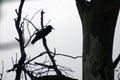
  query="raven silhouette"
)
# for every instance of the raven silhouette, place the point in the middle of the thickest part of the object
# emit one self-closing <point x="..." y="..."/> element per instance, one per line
<point x="42" y="33"/>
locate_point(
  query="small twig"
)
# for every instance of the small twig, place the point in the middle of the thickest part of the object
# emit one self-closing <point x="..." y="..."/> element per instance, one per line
<point x="25" y="76"/>
<point x="115" y="63"/>
<point x="54" y="54"/>
<point x="39" y="69"/>
<point x="31" y="24"/>
<point x="41" y="54"/>
<point x="30" y="39"/>
<point x="66" y="68"/>
<point x="28" y="30"/>
<point x="14" y="67"/>
<point x="44" y="63"/>
<point x="22" y="25"/>
<point x="31" y="21"/>
<point x="67" y="55"/>
<point x="35" y="14"/>
<point x="65" y="72"/>
<point x="1" y="74"/>
<point x="48" y="22"/>
<point x="45" y="71"/>
<point x="48" y="66"/>
<point x="17" y="39"/>
<point x="16" y="59"/>
<point x="16" y="11"/>
<point x="29" y="73"/>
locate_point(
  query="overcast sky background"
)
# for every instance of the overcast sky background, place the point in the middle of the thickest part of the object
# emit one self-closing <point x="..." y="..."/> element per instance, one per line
<point x="66" y="38"/>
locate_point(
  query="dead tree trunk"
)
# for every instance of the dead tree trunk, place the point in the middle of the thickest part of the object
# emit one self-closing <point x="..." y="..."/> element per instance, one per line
<point x="19" y="27"/>
<point x="98" y="20"/>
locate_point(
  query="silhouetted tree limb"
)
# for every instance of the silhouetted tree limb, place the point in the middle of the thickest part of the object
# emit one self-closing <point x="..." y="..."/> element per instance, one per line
<point x="31" y="23"/>
<point x="48" y="66"/>
<point x="55" y="54"/>
<point x="29" y="31"/>
<point x="50" y="54"/>
<point x="68" y="56"/>
<point x="29" y="73"/>
<point x="2" y="71"/>
<point x="44" y="66"/>
<point x="62" y="68"/>
<point x="116" y="61"/>
<point x="29" y="39"/>
<point x="21" y="41"/>
<point x="47" y="49"/>
<point x="34" y="15"/>
<point x="41" y="54"/>
<point x="27" y="67"/>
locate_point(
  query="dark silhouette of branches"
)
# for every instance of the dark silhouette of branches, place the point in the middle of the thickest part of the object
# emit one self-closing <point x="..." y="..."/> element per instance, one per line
<point x="42" y="53"/>
<point x="29" y="30"/>
<point x="20" y="29"/>
<point x="2" y="71"/>
<point x="47" y="49"/>
<point x="31" y="23"/>
<point x="69" y="56"/>
<point x="55" y="53"/>
<point x="36" y="70"/>
<point x="115" y="63"/>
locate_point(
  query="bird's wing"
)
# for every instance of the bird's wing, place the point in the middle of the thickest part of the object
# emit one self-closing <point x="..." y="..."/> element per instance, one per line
<point x="38" y="32"/>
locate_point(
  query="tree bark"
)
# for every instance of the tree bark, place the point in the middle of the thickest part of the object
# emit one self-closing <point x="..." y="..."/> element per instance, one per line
<point x="98" y="20"/>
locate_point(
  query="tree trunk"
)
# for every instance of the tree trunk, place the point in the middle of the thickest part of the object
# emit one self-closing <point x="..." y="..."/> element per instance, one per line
<point x="98" y="20"/>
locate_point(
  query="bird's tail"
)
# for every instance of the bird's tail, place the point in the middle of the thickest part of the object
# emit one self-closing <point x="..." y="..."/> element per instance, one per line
<point x="33" y="41"/>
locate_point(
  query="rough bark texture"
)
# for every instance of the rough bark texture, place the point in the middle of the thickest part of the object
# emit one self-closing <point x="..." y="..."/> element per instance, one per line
<point x="98" y="20"/>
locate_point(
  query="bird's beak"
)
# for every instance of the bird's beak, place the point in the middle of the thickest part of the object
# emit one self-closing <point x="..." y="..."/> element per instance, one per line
<point x="53" y="28"/>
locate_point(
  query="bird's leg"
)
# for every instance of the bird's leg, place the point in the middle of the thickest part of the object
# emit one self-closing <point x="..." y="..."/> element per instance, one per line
<point x="44" y="39"/>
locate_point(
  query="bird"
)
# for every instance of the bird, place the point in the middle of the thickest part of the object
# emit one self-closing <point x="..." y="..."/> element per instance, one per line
<point x="42" y="33"/>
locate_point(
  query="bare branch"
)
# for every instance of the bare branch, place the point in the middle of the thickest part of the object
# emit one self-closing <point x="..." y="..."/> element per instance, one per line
<point x="47" y="49"/>
<point x="16" y="59"/>
<point x="31" y="23"/>
<point x="17" y="39"/>
<point x="29" y="73"/>
<point x="48" y="22"/>
<point x="14" y="67"/>
<point x="21" y="42"/>
<point x="30" y="39"/>
<point x="54" y="54"/>
<point x="48" y="66"/>
<point x="66" y="68"/>
<point x="35" y="15"/>
<point x="1" y="74"/>
<point x="116" y="61"/>
<point x="69" y="56"/>
<point x="12" y="60"/>
<point x="16" y="11"/>
<point x="42" y="53"/>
